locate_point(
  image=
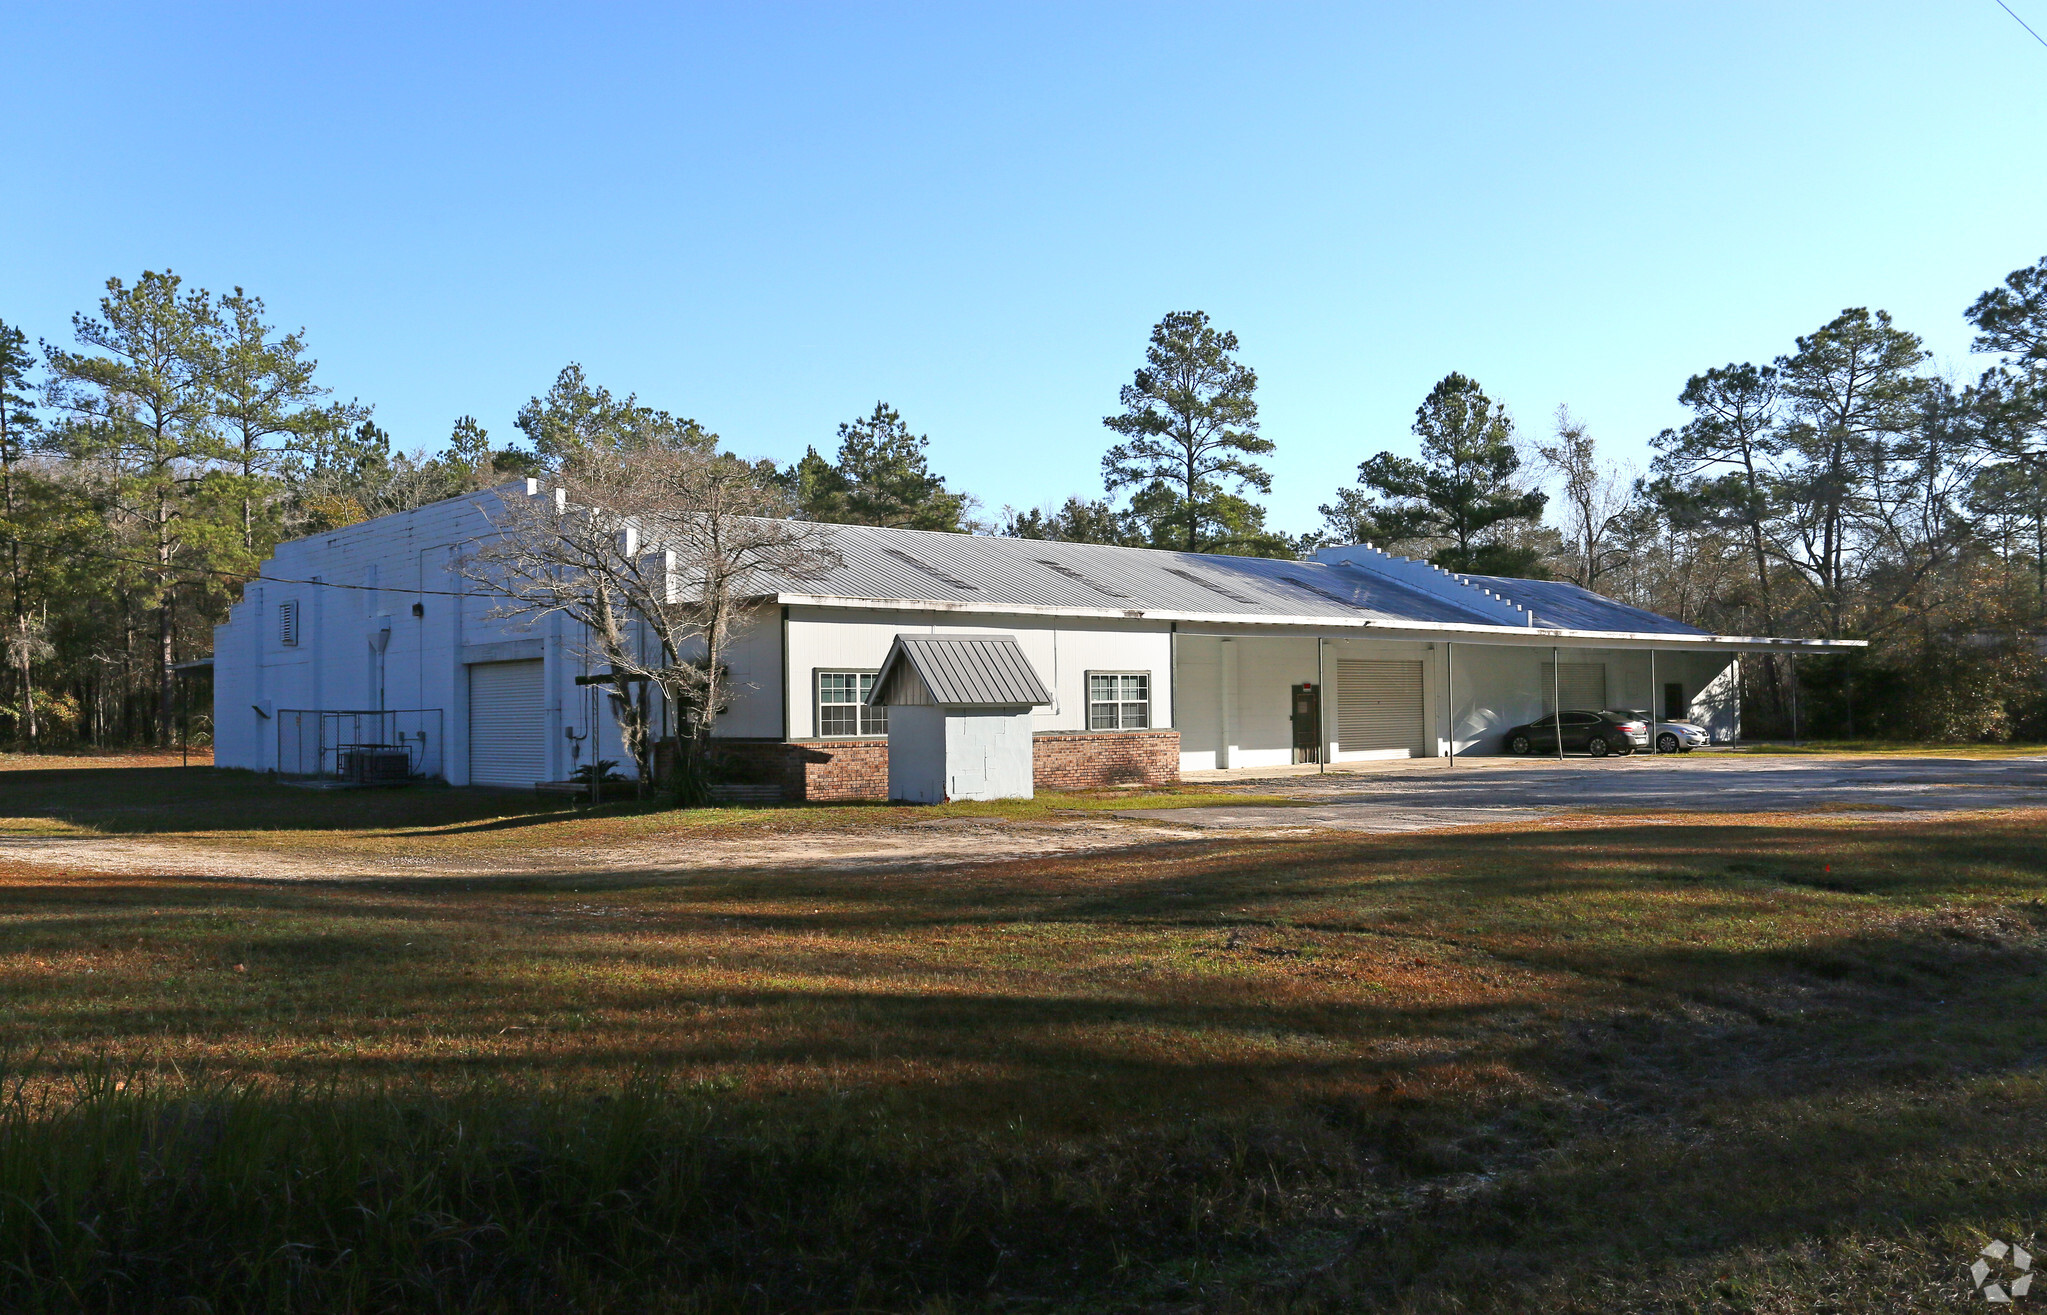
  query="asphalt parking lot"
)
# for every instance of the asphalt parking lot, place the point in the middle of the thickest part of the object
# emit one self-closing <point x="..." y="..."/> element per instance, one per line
<point x="1426" y="794"/>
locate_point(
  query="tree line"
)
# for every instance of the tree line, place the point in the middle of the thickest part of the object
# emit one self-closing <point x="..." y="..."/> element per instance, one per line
<point x="149" y="465"/>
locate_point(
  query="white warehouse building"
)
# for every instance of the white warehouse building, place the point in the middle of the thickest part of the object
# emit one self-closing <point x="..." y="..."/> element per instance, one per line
<point x="362" y="651"/>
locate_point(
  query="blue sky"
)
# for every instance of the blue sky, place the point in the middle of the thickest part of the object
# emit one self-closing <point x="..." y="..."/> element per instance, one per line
<point x="767" y="217"/>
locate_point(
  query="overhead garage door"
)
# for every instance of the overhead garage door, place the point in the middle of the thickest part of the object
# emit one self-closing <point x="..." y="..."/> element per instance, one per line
<point x="1379" y="706"/>
<point x="1580" y="685"/>
<point x="506" y="729"/>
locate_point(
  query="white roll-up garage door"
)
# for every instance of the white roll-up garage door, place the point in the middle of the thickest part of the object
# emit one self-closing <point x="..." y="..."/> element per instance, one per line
<point x="1579" y="686"/>
<point x="506" y="728"/>
<point x="1379" y="706"/>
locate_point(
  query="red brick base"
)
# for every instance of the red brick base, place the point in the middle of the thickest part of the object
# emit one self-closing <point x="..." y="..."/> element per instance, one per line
<point x="816" y="771"/>
<point x="1088" y="760"/>
<point x="809" y="771"/>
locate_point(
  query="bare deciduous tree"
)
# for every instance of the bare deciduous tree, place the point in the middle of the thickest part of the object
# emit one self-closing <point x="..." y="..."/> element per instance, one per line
<point x="1597" y="498"/>
<point x="658" y="554"/>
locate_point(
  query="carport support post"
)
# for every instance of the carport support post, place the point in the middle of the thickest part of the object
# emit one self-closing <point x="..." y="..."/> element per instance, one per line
<point x="1556" y="698"/>
<point x="1449" y="696"/>
<point x="1654" y="748"/>
<point x="1794" y="698"/>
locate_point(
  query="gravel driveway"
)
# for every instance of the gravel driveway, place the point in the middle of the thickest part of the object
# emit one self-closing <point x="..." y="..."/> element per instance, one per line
<point x="1428" y="794"/>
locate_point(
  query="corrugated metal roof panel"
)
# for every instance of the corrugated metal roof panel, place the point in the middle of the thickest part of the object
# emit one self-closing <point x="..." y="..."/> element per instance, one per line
<point x="921" y="565"/>
<point x="965" y="671"/>
<point x="1561" y="605"/>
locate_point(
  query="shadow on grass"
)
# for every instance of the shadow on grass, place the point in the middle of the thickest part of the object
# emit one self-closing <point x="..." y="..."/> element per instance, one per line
<point x="1645" y="1136"/>
<point x="1696" y="1058"/>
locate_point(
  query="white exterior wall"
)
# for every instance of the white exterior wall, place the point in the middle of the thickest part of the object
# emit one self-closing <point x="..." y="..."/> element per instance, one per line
<point x="936" y="754"/>
<point x="1063" y="651"/>
<point x="987" y="753"/>
<point x="396" y="561"/>
<point x="1229" y="699"/>
<point x="1497" y="687"/>
<point x="916" y="753"/>
<point x="1236" y="708"/>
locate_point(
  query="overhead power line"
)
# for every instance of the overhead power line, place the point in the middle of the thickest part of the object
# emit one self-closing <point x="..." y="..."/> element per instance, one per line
<point x="236" y="576"/>
<point x="2021" y="22"/>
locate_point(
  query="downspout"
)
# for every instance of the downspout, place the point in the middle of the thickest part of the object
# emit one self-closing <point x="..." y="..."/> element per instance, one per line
<point x="1172" y="676"/>
<point x="1321" y="719"/>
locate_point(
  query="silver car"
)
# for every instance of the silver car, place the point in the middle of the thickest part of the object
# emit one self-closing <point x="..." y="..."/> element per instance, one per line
<point x="1675" y="736"/>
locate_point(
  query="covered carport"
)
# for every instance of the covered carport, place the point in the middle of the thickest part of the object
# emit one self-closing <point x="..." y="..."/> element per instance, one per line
<point x="1251" y="697"/>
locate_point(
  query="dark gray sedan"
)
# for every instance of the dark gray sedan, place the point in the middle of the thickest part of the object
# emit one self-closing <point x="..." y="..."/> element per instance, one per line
<point x="1614" y="730"/>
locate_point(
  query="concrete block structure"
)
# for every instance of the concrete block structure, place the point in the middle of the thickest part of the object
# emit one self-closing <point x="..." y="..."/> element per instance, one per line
<point x="959" y="717"/>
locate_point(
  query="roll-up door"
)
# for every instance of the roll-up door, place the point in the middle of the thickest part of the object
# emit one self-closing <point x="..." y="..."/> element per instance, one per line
<point x="506" y="728"/>
<point x="1580" y="685"/>
<point x="1379" y="706"/>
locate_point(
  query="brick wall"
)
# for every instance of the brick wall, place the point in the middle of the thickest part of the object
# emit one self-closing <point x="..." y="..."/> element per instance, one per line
<point x="1092" y="759"/>
<point x="820" y="770"/>
<point x="811" y="771"/>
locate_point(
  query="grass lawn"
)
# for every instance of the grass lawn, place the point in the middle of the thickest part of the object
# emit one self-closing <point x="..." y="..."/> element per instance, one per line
<point x="1685" y="1064"/>
<point x="151" y="797"/>
<point x="1892" y="749"/>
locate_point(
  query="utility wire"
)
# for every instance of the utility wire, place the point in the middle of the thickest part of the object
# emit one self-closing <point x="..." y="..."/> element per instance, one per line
<point x="2021" y="22"/>
<point x="237" y="576"/>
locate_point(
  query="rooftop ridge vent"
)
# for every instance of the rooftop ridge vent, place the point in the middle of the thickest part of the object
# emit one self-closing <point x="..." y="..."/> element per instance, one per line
<point x="930" y="570"/>
<point x="1072" y="574"/>
<point x="1330" y="594"/>
<point x="1212" y="586"/>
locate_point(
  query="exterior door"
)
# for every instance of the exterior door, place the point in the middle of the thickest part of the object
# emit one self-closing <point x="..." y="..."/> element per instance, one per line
<point x="507" y="744"/>
<point x="1379" y="706"/>
<point x="1307" y="719"/>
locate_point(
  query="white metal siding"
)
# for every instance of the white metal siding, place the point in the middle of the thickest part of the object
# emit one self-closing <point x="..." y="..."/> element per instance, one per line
<point x="505" y="724"/>
<point x="1379" y="706"/>
<point x="1579" y="686"/>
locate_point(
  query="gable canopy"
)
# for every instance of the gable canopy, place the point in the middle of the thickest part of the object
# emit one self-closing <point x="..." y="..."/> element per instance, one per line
<point x="958" y="671"/>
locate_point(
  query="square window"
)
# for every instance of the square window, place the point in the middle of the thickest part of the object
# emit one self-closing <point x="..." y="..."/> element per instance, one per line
<point x="841" y="706"/>
<point x="1118" y="700"/>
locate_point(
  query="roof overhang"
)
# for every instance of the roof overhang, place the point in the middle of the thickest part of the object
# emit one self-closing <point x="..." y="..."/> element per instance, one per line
<point x="1229" y="624"/>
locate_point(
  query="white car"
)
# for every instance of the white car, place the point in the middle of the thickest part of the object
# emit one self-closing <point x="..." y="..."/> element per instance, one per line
<point x="1680" y="737"/>
<point x="1673" y="736"/>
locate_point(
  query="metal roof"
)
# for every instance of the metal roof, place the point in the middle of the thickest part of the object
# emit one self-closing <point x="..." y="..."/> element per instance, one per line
<point x="1561" y="605"/>
<point x="965" y="671"/>
<point x="990" y="572"/>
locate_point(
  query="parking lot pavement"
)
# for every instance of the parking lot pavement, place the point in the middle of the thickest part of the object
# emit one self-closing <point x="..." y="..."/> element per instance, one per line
<point x="1430" y="794"/>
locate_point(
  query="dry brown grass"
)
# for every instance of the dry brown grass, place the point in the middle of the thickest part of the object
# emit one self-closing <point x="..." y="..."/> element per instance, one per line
<point x="1747" y="1063"/>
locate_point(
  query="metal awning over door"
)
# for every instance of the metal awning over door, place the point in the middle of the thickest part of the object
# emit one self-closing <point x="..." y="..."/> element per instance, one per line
<point x="1379" y="706"/>
<point x="507" y="744"/>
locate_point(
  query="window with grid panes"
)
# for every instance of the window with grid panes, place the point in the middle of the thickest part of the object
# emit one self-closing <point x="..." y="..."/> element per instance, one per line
<point x="1118" y="700"/>
<point x="841" y="706"/>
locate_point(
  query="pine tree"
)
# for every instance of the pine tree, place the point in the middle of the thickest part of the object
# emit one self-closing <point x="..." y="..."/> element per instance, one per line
<point x="1190" y="427"/>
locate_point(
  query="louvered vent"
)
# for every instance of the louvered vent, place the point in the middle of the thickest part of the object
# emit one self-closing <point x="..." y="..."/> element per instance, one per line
<point x="1074" y="575"/>
<point x="288" y="623"/>
<point x="930" y="570"/>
